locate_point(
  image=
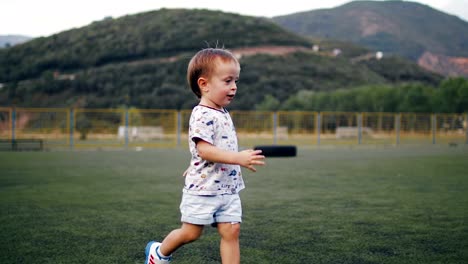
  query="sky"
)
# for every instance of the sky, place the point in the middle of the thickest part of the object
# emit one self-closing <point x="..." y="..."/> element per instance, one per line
<point x="35" y="18"/>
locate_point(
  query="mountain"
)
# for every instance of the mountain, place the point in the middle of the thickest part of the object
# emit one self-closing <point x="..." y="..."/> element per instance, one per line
<point x="141" y="61"/>
<point x="395" y="27"/>
<point x="156" y="34"/>
<point x="11" y="40"/>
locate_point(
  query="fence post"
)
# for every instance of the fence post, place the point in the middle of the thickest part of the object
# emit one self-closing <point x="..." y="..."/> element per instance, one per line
<point x="359" y="123"/>
<point x="319" y="127"/>
<point x="179" y="128"/>
<point x="466" y="128"/>
<point x="126" y="127"/>
<point x="275" y="121"/>
<point x="13" y="125"/>
<point x="397" y="127"/>
<point x="72" y="128"/>
<point x="434" y="128"/>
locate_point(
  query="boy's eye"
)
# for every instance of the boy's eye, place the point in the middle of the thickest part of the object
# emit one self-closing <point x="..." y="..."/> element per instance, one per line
<point x="228" y="81"/>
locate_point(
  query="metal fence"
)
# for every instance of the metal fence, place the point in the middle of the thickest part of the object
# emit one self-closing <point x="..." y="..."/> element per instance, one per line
<point x="142" y="128"/>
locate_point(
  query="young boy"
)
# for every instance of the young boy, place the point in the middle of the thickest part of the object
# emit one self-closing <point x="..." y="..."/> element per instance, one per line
<point x="213" y="179"/>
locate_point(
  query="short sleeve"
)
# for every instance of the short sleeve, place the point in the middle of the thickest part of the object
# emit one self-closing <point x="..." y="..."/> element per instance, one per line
<point x="202" y="125"/>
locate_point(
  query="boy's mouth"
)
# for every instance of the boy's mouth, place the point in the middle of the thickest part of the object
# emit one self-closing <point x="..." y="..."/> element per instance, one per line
<point x="231" y="96"/>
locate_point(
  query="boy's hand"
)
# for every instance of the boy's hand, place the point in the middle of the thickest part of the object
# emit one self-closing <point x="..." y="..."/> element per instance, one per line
<point x="250" y="157"/>
<point x="246" y="158"/>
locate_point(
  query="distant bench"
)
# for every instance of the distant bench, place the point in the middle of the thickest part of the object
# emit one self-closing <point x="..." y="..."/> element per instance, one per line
<point x="24" y="144"/>
<point x="142" y="132"/>
<point x="351" y="132"/>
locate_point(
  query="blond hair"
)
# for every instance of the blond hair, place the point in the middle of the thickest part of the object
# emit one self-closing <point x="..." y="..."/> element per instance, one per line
<point x="204" y="63"/>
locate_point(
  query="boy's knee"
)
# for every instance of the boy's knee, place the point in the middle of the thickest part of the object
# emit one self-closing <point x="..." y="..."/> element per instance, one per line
<point x="235" y="229"/>
<point x="191" y="233"/>
<point x="191" y="236"/>
<point x="229" y="231"/>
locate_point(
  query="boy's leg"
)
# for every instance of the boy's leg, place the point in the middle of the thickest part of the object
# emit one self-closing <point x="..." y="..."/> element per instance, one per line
<point x="185" y="234"/>
<point x="230" y="249"/>
<point x="154" y="250"/>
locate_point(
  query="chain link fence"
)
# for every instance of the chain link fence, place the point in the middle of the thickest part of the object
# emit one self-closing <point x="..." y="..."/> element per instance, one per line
<point x="58" y="128"/>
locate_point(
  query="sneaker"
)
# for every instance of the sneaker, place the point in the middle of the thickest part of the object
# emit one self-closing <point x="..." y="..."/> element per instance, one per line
<point x="152" y="256"/>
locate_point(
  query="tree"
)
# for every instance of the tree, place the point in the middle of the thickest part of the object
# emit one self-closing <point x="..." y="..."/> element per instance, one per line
<point x="269" y="103"/>
<point x="417" y="98"/>
<point x="452" y="96"/>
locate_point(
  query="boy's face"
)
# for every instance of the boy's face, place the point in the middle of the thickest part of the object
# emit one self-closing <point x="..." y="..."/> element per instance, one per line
<point x="220" y="88"/>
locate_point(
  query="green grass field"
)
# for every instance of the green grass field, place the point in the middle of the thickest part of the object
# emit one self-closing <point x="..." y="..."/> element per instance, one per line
<point x="329" y="205"/>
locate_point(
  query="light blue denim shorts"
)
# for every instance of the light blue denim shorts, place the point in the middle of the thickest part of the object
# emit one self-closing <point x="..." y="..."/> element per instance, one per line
<point x="210" y="209"/>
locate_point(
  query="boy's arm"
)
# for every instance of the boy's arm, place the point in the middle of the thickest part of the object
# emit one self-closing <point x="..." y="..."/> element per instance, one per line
<point x="247" y="158"/>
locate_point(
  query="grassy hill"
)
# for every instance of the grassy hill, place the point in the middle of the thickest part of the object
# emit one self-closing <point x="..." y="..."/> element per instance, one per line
<point x="398" y="27"/>
<point x="153" y="34"/>
<point x="140" y="61"/>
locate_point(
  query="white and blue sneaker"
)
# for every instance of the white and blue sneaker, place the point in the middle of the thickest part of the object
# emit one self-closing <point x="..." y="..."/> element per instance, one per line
<point x="152" y="255"/>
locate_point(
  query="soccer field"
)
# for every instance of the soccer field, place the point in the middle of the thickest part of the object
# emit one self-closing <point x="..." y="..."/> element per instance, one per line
<point x="329" y="205"/>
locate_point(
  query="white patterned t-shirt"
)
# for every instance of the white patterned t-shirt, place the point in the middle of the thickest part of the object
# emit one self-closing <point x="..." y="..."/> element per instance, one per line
<point x="204" y="177"/>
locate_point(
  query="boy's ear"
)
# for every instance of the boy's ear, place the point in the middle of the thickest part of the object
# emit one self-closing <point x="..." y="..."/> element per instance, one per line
<point x="202" y="83"/>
